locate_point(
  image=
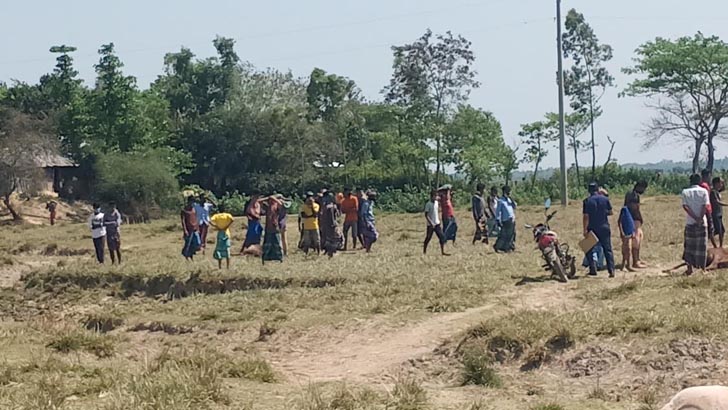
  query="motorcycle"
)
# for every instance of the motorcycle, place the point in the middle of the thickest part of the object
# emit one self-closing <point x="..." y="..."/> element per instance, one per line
<point x="555" y="253"/>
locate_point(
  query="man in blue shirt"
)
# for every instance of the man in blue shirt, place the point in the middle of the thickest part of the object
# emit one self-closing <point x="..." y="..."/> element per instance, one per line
<point x="597" y="210"/>
<point x="505" y="216"/>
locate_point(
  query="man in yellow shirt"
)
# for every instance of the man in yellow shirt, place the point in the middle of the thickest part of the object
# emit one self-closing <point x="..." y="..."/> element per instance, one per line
<point x="310" y="238"/>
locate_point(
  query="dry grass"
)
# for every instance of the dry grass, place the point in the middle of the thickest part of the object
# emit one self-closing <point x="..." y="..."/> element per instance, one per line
<point x="228" y="338"/>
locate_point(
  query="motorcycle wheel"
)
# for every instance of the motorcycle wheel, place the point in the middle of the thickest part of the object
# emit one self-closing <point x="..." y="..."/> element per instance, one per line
<point x="572" y="267"/>
<point x="558" y="269"/>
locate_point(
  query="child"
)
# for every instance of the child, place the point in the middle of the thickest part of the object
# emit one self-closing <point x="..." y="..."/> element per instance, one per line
<point x="222" y="221"/>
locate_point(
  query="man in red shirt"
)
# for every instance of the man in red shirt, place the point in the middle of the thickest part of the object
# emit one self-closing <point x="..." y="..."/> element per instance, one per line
<point x="705" y="177"/>
<point x="350" y="208"/>
<point x="449" y="226"/>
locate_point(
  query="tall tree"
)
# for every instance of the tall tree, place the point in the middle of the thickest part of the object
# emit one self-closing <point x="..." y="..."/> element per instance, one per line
<point x="688" y="80"/>
<point x="575" y="125"/>
<point x="537" y="137"/>
<point x="327" y="93"/>
<point x="431" y="77"/>
<point x="587" y="80"/>
<point x="475" y="144"/>
<point x="114" y="103"/>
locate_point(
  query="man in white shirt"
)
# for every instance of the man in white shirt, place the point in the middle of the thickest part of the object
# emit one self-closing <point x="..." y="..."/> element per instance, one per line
<point x="695" y="202"/>
<point x="432" y="215"/>
<point x="98" y="232"/>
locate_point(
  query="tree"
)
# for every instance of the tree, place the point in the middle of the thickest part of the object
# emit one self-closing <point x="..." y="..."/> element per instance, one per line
<point x="327" y="93"/>
<point x="114" y="103"/>
<point x="431" y="77"/>
<point x="575" y="124"/>
<point x="23" y="140"/>
<point x="475" y="144"/>
<point x="537" y="136"/>
<point x="688" y="80"/>
<point x="587" y="80"/>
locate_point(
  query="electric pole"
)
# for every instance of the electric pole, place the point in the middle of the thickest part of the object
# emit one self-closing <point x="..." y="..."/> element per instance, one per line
<point x="562" y="138"/>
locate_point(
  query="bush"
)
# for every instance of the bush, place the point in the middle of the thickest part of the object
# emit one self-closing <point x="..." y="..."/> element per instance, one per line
<point x="141" y="183"/>
<point x="478" y="370"/>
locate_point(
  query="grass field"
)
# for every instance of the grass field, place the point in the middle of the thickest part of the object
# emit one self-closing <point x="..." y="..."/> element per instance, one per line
<point x="388" y="330"/>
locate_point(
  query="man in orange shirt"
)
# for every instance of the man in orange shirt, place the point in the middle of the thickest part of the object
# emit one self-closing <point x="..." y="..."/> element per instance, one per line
<point x="350" y="208"/>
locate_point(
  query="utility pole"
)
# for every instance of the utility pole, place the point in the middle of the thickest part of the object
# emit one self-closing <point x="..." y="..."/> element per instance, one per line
<point x="562" y="138"/>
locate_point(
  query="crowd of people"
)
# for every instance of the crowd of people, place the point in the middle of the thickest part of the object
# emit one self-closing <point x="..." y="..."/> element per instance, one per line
<point x="494" y="216"/>
<point x="267" y="225"/>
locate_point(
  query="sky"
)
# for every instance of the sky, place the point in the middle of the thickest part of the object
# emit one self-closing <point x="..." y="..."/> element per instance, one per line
<point x="514" y="42"/>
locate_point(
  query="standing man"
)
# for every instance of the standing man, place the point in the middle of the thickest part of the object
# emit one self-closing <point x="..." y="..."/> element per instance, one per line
<point x="505" y="217"/>
<point x="112" y="222"/>
<point x="190" y="230"/>
<point x="696" y="203"/>
<point x="51" y="207"/>
<point x="202" y="208"/>
<point x="98" y="232"/>
<point x="251" y="245"/>
<point x="492" y="202"/>
<point x="361" y="226"/>
<point x="283" y="222"/>
<point x="350" y="209"/>
<point x="632" y="202"/>
<point x="331" y="239"/>
<point x="369" y="231"/>
<point x="449" y="225"/>
<point x="432" y="215"/>
<point x="596" y="211"/>
<point x="272" y="249"/>
<point x="310" y="236"/>
<point x="705" y="176"/>
<point x="716" y="202"/>
<point x="480" y="215"/>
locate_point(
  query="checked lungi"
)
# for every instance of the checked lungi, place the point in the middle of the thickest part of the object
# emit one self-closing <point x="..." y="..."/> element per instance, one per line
<point x="696" y="245"/>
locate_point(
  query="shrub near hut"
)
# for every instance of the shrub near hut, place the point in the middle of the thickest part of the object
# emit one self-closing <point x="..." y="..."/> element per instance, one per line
<point x="142" y="184"/>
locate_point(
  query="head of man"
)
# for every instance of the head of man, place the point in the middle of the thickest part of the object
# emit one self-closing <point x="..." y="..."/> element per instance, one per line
<point x="593" y="188"/>
<point x="112" y="206"/>
<point x="190" y="200"/>
<point x="309" y="197"/>
<point x="494" y="191"/>
<point x="695" y="179"/>
<point x="718" y="184"/>
<point x="97" y="208"/>
<point x="433" y="195"/>
<point x="203" y="199"/>
<point x="506" y="190"/>
<point x="706" y="175"/>
<point x="347" y="192"/>
<point x="221" y="207"/>
<point x="641" y="187"/>
<point x="480" y="188"/>
<point x="372" y="196"/>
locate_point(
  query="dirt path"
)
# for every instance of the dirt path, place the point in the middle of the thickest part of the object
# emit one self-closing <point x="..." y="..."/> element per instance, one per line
<point x="364" y="355"/>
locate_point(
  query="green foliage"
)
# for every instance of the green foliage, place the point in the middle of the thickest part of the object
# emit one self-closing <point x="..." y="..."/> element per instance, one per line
<point x="690" y="75"/>
<point x="587" y="80"/>
<point x="475" y="144"/>
<point x="431" y="77"/>
<point x="222" y="124"/>
<point x="537" y="138"/>
<point x="141" y="183"/>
